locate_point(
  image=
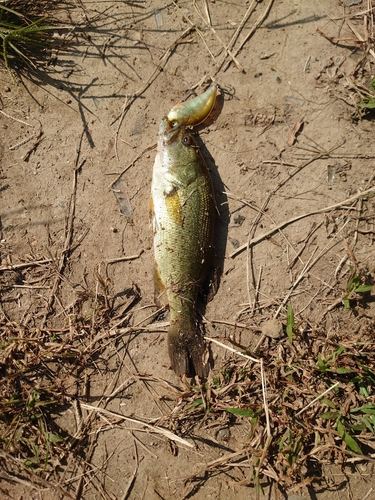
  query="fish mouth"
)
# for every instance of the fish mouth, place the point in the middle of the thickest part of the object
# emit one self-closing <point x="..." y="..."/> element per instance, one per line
<point x="170" y="130"/>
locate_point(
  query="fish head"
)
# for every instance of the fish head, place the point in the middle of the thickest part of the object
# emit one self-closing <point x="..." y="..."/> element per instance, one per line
<point x="178" y="154"/>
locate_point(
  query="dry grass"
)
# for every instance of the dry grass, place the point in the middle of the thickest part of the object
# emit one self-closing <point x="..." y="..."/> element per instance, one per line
<point x="320" y="405"/>
<point x="41" y="370"/>
<point x="319" y="391"/>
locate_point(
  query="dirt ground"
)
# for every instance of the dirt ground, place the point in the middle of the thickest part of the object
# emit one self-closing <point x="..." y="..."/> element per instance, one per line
<point x="288" y="139"/>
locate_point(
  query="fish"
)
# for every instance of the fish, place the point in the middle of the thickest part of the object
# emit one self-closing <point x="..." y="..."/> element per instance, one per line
<point x="183" y="211"/>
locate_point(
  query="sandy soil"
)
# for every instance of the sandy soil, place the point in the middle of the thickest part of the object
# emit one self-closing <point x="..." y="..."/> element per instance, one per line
<point x="288" y="112"/>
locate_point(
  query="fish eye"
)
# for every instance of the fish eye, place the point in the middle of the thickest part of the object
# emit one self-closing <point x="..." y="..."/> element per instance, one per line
<point x="174" y="124"/>
<point x="186" y="141"/>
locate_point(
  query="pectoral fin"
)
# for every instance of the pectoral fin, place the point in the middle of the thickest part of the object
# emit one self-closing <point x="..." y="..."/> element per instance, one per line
<point x="174" y="207"/>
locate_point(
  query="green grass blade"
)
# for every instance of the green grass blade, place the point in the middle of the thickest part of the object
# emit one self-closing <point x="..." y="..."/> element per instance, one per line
<point x="240" y="412"/>
<point x="290" y="323"/>
<point x="350" y="442"/>
<point x="11" y="11"/>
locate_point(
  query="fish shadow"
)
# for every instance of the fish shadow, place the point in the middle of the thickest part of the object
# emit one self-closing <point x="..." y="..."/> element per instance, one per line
<point x="215" y="273"/>
<point x="221" y="200"/>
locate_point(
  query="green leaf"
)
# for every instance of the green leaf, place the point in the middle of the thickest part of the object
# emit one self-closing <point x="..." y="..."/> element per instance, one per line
<point x="330" y="415"/>
<point x="367" y="408"/>
<point x="31" y="463"/>
<point x="290" y="323"/>
<point x="363" y="391"/>
<point x="340" y="429"/>
<point x="339" y="351"/>
<point x="355" y="280"/>
<point x="346" y="302"/>
<point x="357" y="427"/>
<point x="197" y="402"/>
<point x="216" y="382"/>
<point x="350" y="442"/>
<point x="36" y="416"/>
<point x="35" y="451"/>
<point x="363" y="288"/>
<point x="328" y="403"/>
<point x="286" y="436"/>
<point x="322" y="365"/>
<point x="254" y="421"/>
<point x="369" y="425"/>
<point x="367" y="102"/>
<point x="53" y="438"/>
<point x="341" y="370"/>
<point x="240" y="412"/>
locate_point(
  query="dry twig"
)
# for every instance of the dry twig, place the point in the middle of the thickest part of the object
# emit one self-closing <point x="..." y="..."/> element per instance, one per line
<point x="261" y="237"/>
<point x="153" y="428"/>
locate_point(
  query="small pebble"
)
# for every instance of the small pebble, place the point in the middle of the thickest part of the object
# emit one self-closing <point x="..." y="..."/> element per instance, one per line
<point x="234" y="242"/>
<point x="238" y="219"/>
<point x="223" y="434"/>
<point x="273" y="328"/>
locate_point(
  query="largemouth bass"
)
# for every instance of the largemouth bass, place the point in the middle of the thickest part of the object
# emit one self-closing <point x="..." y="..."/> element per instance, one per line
<point x="183" y="208"/>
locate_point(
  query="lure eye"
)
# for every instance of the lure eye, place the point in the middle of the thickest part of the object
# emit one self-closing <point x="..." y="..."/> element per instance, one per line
<point x="174" y="124"/>
<point x="186" y="141"/>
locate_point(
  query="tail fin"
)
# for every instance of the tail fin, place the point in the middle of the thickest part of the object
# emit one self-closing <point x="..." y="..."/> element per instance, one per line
<point x="188" y="352"/>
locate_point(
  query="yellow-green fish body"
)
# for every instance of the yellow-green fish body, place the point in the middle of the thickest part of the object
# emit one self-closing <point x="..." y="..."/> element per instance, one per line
<point x="184" y="210"/>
